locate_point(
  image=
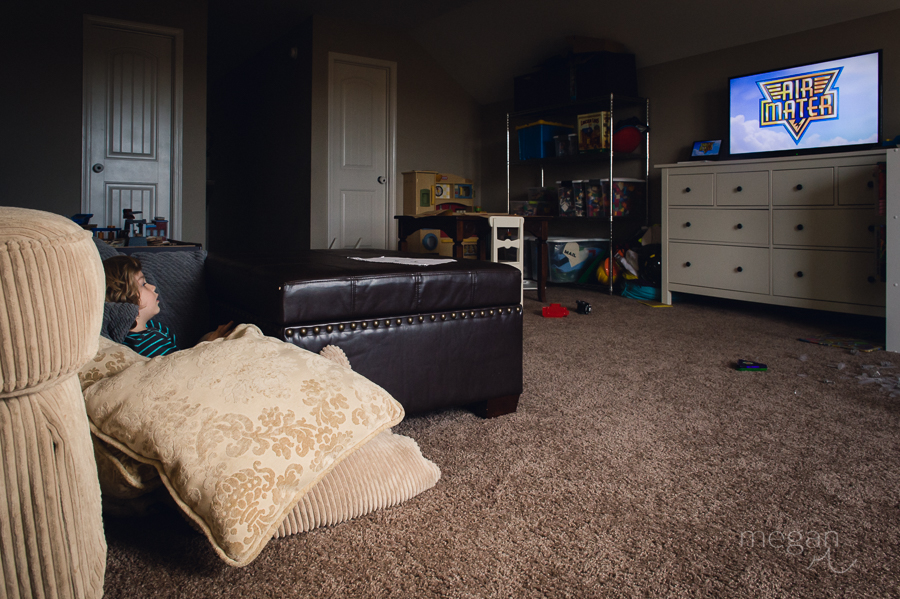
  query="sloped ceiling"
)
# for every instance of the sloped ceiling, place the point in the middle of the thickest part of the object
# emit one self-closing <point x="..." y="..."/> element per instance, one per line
<point x="483" y="44"/>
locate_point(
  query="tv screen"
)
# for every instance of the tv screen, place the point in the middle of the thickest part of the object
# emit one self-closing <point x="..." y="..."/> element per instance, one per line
<point x="822" y="106"/>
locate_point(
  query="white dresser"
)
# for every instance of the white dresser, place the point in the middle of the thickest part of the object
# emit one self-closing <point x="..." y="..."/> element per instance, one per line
<point x="796" y="231"/>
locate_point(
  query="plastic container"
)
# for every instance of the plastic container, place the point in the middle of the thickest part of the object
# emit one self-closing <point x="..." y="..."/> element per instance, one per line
<point x="570" y="256"/>
<point x="627" y="194"/>
<point x="532" y="208"/>
<point x="536" y="139"/>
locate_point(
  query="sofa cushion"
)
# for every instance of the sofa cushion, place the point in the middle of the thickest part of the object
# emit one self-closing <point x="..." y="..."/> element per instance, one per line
<point x="327" y="285"/>
<point x="239" y="429"/>
<point x="179" y="280"/>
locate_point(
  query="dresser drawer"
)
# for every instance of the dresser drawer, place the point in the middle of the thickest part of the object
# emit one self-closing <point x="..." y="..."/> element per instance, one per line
<point x="847" y="277"/>
<point x="748" y="227"/>
<point x="742" y="189"/>
<point x="719" y="266"/>
<point x="803" y="187"/>
<point x="857" y="185"/>
<point x="827" y="228"/>
<point x="691" y="190"/>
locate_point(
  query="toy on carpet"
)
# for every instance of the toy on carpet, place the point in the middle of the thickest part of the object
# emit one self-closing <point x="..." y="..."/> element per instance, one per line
<point x="582" y="307"/>
<point x="554" y="311"/>
<point x="748" y="366"/>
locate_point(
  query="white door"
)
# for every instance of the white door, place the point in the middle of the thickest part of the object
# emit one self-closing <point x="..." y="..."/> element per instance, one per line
<point x="132" y="130"/>
<point x="361" y="118"/>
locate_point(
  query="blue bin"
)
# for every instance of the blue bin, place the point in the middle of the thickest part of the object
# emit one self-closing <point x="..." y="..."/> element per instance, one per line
<point x="536" y="139"/>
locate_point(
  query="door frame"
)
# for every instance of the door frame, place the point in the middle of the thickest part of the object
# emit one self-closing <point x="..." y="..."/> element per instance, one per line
<point x="177" y="35"/>
<point x="391" y="150"/>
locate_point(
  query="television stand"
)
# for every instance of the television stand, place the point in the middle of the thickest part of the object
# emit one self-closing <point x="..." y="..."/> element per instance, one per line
<point x="803" y="231"/>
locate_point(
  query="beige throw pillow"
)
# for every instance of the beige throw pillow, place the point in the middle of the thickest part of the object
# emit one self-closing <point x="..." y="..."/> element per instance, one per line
<point x="239" y="429"/>
<point x="112" y="358"/>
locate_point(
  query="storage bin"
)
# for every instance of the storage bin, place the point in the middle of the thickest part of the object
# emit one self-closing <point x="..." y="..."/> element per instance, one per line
<point x="570" y="256"/>
<point x="569" y="203"/>
<point x="536" y="139"/>
<point x="532" y="208"/>
<point x="627" y="194"/>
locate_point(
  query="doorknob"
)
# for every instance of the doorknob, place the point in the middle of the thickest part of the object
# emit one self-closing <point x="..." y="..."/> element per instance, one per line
<point x="381" y="180"/>
<point x="97" y="168"/>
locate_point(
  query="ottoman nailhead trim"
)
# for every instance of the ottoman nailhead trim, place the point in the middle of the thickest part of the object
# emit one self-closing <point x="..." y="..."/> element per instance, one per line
<point x="388" y="322"/>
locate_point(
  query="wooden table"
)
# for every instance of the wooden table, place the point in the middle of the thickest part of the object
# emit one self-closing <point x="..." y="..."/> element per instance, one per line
<point x="461" y="226"/>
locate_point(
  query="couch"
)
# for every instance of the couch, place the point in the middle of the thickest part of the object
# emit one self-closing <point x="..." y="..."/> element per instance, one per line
<point x="435" y="337"/>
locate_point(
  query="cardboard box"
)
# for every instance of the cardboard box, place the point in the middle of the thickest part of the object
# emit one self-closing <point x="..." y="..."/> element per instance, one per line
<point x="593" y="132"/>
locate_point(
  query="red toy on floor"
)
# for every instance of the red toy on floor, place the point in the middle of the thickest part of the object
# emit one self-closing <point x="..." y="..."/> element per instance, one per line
<point x="554" y="311"/>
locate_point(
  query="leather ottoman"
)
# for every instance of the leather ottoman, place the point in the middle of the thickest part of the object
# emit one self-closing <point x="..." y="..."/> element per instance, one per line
<point x="435" y="337"/>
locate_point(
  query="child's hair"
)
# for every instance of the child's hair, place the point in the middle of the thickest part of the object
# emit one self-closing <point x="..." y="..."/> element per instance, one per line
<point x="120" y="279"/>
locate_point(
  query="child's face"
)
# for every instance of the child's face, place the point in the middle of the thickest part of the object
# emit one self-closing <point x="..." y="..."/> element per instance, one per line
<point x="149" y="306"/>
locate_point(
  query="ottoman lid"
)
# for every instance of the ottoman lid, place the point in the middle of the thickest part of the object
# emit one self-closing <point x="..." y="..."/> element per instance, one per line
<point x="328" y="285"/>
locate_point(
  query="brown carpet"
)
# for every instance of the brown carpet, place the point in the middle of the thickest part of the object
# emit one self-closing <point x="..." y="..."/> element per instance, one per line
<point x="637" y="460"/>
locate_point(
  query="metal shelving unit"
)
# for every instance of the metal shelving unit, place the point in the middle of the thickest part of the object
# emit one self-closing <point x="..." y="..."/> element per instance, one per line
<point x="634" y="164"/>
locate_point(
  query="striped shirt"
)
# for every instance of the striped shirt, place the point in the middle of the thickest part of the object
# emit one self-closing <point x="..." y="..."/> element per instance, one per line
<point x="156" y="340"/>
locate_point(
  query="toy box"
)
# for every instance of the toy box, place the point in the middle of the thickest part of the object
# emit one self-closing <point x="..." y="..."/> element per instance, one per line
<point x="470" y="247"/>
<point x="421" y="187"/>
<point x="627" y="194"/>
<point x="593" y="132"/>
<point x="570" y="203"/>
<point x="569" y="256"/>
<point x="424" y="241"/>
<point x="593" y="198"/>
<point x="536" y="139"/>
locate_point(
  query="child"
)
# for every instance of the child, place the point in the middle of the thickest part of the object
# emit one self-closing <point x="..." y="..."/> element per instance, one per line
<point x="125" y="282"/>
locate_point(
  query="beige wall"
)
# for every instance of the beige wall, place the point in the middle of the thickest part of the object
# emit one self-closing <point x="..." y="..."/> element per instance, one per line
<point x="689" y="97"/>
<point x="438" y="123"/>
<point x="40" y="157"/>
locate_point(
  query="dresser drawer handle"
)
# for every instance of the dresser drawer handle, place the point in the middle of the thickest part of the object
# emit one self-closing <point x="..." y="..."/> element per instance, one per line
<point x="799" y="227"/>
<point x="871" y="184"/>
<point x="871" y="228"/>
<point x="687" y="190"/>
<point x="687" y="224"/>
<point x="739" y="188"/>
<point x="739" y="226"/>
<point x="871" y="279"/>
<point x="687" y="264"/>
<point x="739" y="269"/>
<point x="799" y="187"/>
<point x="800" y="273"/>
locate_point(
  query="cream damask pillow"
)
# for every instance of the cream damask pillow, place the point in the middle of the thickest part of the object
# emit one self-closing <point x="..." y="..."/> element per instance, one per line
<point x="111" y="359"/>
<point x="239" y="429"/>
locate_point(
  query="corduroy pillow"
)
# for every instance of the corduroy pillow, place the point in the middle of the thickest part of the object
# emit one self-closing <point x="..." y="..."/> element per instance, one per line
<point x="239" y="429"/>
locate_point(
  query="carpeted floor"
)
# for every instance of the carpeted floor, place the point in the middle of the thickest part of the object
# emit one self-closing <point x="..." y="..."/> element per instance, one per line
<point x="640" y="464"/>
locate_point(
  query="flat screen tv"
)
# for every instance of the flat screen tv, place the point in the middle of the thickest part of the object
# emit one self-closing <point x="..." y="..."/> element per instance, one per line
<point x="819" y="107"/>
